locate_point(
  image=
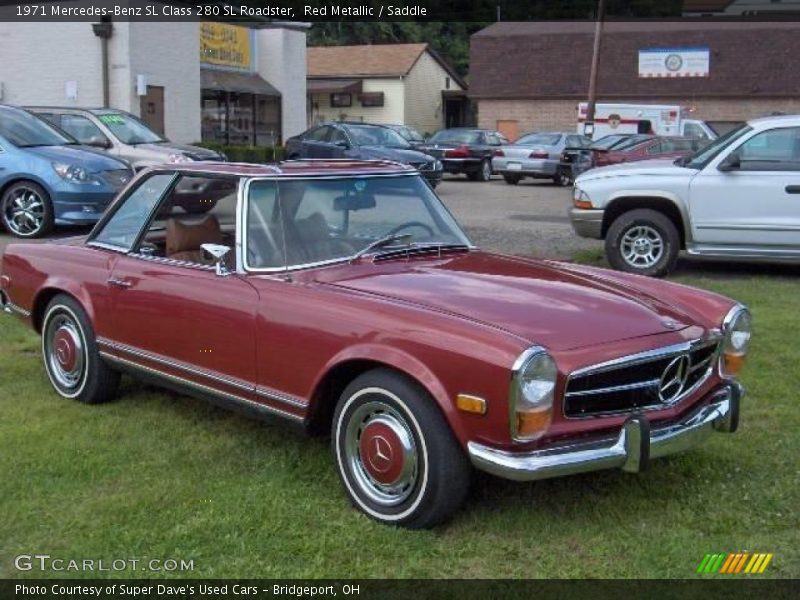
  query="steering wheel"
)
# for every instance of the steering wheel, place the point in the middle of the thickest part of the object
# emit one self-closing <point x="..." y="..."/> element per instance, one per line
<point x="409" y="224"/>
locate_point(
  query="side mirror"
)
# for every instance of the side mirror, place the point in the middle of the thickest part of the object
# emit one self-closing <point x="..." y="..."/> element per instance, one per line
<point x="218" y="254"/>
<point x="342" y="144"/>
<point x="732" y="162"/>
<point x="99" y="142"/>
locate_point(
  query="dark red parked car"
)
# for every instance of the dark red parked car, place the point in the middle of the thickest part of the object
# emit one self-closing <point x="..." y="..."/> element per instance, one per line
<point x="663" y="147"/>
<point x="345" y="297"/>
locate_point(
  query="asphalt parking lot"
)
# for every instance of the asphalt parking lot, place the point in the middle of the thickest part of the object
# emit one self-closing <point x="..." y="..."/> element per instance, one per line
<point x="529" y="218"/>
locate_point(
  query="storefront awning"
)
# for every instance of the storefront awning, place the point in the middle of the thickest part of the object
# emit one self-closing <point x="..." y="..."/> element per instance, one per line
<point x="229" y="81"/>
<point x="333" y="86"/>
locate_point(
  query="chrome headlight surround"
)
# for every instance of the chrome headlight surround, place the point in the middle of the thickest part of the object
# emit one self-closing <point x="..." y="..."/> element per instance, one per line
<point x="736" y="333"/>
<point x="532" y="394"/>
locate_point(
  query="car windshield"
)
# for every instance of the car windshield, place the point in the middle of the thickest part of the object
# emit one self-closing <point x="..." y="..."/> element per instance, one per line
<point x="608" y="141"/>
<point x="706" y="154"/>
<point x="26" y="131"/>
<point x="455" y="136"/>
<point x="372" y="135"/>
<point x="630" y="143"/>
<point x="412" y="135"/>
<point x="313" y="221"/>
<point x="128" y="129"/>
<point x="538" y="139"/>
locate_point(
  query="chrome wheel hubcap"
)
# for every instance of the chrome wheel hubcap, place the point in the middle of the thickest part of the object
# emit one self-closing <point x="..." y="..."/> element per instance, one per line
<point x="381" y="453"/>
<point x="23" y="212"/>
<point x="642" y="246"/>
<point x="64" y="352"/>
<point x="487" y="171"/>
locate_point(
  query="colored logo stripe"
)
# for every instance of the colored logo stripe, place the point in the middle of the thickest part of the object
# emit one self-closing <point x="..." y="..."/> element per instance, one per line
<point x="734" y="563"/>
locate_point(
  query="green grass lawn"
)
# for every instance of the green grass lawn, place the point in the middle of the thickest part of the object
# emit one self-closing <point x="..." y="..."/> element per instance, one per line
<point x="157" y="475"/>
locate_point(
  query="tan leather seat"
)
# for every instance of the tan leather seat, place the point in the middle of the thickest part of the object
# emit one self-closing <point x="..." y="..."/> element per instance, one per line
<point x="184" y="238"/>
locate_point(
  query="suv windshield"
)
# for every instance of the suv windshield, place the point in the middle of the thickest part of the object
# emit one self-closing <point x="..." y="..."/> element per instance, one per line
<point x="128" y="129"/>
<point x="704" y="156"/>
<point x="373" y="135"/>
<point x="26" y="131"/>
<point x="314" y="221"/>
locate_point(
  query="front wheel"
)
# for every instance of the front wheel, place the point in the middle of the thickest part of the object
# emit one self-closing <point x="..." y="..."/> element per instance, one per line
<point x="71" y="356"/>
<point x="643" y="241"/>
<point x="395" y="453"/>
<point x="512" y="179"/>
<point x="27" y="211"/>
<point x="563" y="177"/>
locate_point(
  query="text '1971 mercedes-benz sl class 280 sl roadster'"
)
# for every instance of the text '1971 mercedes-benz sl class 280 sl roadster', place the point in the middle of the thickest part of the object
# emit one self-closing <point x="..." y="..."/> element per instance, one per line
<point x="343" y="295"/>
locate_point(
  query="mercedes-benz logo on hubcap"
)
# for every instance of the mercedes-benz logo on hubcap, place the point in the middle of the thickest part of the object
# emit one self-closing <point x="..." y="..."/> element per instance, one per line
<point x="673" y="380"/>
<point x="380" y="456"/>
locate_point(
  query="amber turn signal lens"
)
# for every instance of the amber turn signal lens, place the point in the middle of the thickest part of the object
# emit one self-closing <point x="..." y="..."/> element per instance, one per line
<point x="533" y="424"/>
<point x="471" y="404"/>
<point x="583" y="204"/>
<point x="733" y="363"/>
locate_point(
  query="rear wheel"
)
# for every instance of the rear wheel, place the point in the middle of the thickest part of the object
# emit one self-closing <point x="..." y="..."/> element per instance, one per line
<point x="71" y="356"/>
<point x="395" y="453"/>
<point x="643" y="241"/>
<point x="563" y="177"/>
<point x="512" y="179"/>
<point x="27" y="211"/>
<point x="485" y="171"/>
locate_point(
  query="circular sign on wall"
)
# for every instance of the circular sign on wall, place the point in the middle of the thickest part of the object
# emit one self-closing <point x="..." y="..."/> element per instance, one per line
<point x="673" y="62"/>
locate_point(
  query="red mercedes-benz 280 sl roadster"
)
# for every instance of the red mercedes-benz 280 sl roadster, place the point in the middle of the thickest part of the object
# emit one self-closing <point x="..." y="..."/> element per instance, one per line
<point x="344" y="296"/>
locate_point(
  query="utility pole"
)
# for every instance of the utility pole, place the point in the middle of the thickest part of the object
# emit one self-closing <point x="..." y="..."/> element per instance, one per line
<point x="588" y="125"/>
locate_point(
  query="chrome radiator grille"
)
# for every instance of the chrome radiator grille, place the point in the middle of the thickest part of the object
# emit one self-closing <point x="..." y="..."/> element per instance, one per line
<point x="646" y="381"/>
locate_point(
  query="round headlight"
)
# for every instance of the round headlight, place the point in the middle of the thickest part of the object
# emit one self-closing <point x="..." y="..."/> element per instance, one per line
<point x="532" y="395"/>
<point x="736" y="329"/>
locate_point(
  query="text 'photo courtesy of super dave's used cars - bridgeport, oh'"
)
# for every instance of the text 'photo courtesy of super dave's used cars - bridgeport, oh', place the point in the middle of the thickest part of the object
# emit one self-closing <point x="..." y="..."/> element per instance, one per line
<point x="343" y="296"/>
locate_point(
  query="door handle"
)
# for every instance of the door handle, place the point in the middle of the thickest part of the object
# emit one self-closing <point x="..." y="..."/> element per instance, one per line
<point x="119" y="282"/>
<point x="793" y="189"/>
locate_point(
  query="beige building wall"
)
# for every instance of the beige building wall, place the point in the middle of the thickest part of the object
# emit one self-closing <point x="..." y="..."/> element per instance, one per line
<point x="424" y="108"/>
<point x="540" y="115"/>
<point x="392" y="111"/>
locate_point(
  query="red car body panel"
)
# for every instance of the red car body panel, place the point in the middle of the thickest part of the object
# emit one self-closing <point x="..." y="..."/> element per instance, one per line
<point x="642" y="151"/>
<point x="455" y="323"/>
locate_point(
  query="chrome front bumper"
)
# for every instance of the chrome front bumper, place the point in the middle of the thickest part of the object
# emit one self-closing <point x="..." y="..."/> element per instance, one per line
<point x="635" y="445"/>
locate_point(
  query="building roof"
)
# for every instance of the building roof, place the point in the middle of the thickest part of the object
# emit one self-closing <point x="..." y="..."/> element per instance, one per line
<point x="370" y="60"/>
<point x="541" y="60"/>
<point x="231" y="81"/>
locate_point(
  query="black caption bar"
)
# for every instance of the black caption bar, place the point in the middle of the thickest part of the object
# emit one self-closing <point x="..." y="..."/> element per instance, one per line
<point x="253" y="589"/>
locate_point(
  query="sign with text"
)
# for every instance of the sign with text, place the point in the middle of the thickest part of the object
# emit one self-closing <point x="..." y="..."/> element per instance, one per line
<point x="225" y="45"/>
<point x="674" y="62"/>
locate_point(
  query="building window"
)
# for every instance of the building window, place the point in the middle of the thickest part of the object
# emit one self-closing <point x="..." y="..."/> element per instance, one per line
<point x="341" y="100"/>
<point x="241" y="118"/>
<point x="371" y="99"/>
<point x="447" y="83"/>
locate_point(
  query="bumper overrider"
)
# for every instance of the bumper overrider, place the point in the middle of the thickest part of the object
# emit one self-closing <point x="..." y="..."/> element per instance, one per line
<point x="630" y="450"/>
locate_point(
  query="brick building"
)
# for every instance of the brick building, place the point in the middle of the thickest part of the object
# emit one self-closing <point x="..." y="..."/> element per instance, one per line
<point x="531" y="76"/>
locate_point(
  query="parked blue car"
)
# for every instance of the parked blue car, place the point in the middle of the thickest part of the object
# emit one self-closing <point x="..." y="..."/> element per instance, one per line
<point x="47" y="178"/>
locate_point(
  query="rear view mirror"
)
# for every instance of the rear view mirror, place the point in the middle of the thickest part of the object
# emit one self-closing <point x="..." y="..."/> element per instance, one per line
<point x="354" y="202"/>
<point x="732" y="162"/>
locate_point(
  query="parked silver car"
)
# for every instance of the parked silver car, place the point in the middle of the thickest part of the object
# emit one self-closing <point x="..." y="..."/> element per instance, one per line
<point x="537" y="155"/>
<point x="122" y="135"/>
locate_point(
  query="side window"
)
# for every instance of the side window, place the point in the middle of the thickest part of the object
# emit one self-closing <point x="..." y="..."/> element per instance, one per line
<point x="264" y="233"/>
<point x="320" y="134"/>
<point x="122" y="229"/>
<point x="694" y="130"/>
<point x="82" y="129"/>
<point x="337" y="135"/>
<point x="659" y="147"/>
<point x="198" y="210"/>
<point x="50" y="118"/>
<point x="775" y="149"/>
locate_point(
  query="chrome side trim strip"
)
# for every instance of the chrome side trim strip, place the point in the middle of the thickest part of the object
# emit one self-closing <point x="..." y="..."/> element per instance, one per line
<point x="10" y="307"/>
<point x="261" y="391"/>
<point x="203" y="388"/>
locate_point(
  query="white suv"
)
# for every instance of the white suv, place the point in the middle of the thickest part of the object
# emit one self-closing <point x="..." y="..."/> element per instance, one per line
<point x="739" y="197"/>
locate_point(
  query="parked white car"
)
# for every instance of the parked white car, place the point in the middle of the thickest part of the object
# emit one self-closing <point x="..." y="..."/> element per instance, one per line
<point x="737" y="198"/>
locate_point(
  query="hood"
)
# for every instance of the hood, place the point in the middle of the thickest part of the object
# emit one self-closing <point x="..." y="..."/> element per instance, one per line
<point x="403" y="155"/>
<point x="193" y="152"/>
<point x="91" y="160"/>
<point x="660" y="167"/>
<point x="538" y="301"/>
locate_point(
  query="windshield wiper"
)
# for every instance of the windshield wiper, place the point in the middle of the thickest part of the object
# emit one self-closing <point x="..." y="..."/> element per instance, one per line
<point x="416" y="249"/>
<point x="380" y="243"/>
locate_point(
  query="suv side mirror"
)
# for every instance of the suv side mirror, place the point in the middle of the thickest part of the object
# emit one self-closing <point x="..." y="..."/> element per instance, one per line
<point x="732" y="162"/>
<point x="218" y="254"/>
